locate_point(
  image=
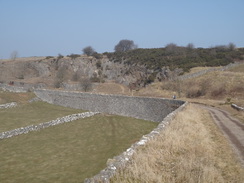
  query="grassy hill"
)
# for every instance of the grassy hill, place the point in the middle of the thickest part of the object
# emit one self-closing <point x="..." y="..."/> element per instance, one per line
<point x="173" y="57"/>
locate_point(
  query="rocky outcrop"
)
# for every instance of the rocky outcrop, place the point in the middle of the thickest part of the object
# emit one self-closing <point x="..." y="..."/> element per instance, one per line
<point x="46" y="71"/>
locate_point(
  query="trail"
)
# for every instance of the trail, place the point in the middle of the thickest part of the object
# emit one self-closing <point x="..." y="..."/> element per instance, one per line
<point x="232" y="129"/>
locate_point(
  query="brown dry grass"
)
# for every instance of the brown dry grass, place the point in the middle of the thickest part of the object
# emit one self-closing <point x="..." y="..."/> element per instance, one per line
<point x="111" y="88"/>
<point x="198" y="69"/>
<point x="21" y="59"/>
<point x="191" y="149"/>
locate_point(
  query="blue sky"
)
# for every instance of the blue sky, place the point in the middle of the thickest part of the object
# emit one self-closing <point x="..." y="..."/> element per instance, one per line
<point x="50" y="27"/>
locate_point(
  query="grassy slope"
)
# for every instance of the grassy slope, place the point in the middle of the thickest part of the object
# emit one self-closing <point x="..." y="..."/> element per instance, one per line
<point x="178" y="57"/>
<point x="191" y="149"/>
<point x="217" y="88"/>
<point x="68" y="152"/>
<point x="31" y="113"/>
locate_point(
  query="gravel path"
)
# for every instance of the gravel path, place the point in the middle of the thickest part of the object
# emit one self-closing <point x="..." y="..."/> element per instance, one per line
<point x="232" y="129"/>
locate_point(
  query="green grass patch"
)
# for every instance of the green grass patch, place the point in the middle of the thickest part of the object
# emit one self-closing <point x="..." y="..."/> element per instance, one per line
<point x="69" y="152"/>
<point x="31" y="113"/>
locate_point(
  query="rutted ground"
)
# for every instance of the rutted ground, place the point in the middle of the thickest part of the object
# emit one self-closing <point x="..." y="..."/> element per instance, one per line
<point x="232" y="128"/>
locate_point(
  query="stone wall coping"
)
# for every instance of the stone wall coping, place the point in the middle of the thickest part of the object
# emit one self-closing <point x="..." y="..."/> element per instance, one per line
<point x="103" y="94"/>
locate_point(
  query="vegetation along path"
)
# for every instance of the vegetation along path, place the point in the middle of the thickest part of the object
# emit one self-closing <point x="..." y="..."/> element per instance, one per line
<point x="232" y="128"/>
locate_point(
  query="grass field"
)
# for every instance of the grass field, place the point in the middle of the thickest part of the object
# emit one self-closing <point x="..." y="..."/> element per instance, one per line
<point x="22" y="98"/>
<point x="68" y="152"/>
<point x="31" y="113"/>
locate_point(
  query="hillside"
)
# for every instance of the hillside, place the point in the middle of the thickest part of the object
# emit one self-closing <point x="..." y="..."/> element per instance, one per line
<point x="173" y="56"/>
<point x="219" y="88"/>
<point x="135" y="68"/>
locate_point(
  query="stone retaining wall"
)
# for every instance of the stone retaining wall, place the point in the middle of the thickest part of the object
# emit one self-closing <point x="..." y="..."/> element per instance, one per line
<point x="65" y="119"/>
<point x="153" y="109"/>
<point x="8" y="105"/>
<point x="15" y="89"/>
<point x="196" y="74"/>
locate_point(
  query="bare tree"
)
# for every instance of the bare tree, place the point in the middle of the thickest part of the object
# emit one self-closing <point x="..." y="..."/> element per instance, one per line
<point x="60" y="77"/>
<point x="125" y="45"/>
<point x="190" y="46"/>
<point x="86" y="84"/>
<point x="171" y="48"/>
<point x="88" y="50"/>
<point x="14" y="55"/>
<point x="75" y="76"/>
<point x="21" y="69"/>
<point x="60" y="56"/>
<point x="173" y="76"/>
<point x="231" y="46"/>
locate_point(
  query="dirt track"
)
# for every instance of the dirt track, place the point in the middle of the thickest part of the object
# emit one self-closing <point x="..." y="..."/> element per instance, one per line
<point x="232" y="129"/>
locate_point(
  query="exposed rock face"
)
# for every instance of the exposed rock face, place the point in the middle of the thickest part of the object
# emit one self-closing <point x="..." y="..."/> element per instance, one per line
<point x="47" y="71"/>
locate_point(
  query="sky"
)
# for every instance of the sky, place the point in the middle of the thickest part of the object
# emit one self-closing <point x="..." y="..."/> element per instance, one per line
<point x="52" y="27"/>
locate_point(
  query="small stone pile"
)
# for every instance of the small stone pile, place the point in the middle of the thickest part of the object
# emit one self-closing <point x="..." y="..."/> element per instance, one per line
<point x="237" y="107"/>
<point x="8" y="105"/>
<point x="65" y="119"/>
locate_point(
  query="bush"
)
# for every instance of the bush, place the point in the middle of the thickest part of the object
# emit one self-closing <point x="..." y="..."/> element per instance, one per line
<point x="95" y="79"/>
<point x="75" y="76"/>
<point x="97" y="55"/>
<point x="57" y="83"/>
<point x="86" y="84"/>
<point x="60" y="56"/>
<point x="99" y="64"/>
<point x="48" y="57"/>
<point x="88" y="50"/>
<point x="193" y="92"/>
<point x="218" y="91"/>
<point x="169" y="85"/>
<point x="73" y="56"/>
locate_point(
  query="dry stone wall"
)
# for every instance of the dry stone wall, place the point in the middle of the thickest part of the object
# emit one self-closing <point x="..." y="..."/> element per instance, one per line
<point x="15" y="89"/>
<point x="200" y="73"/>
<point x="153" y="109"/>
<point x="27" y="129"/>
<point x="8" y="105"/>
